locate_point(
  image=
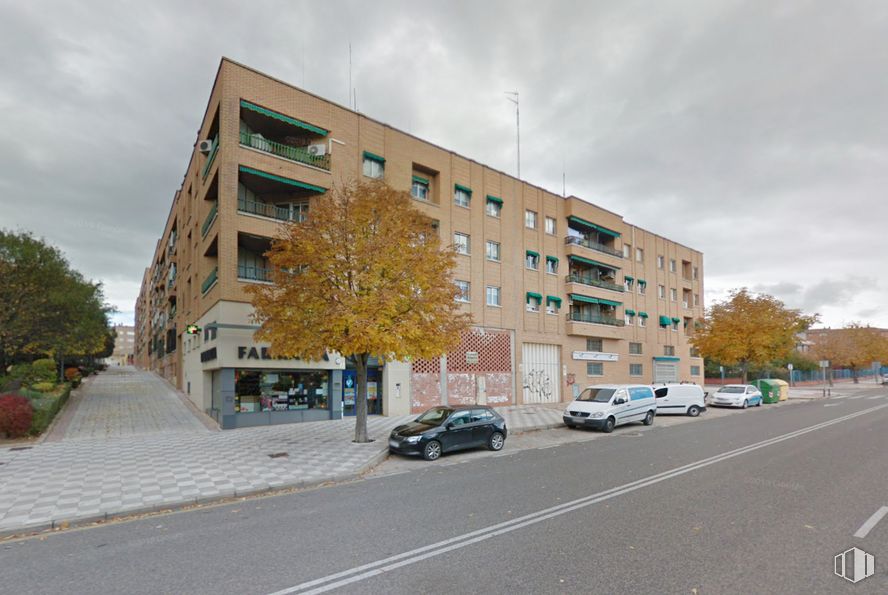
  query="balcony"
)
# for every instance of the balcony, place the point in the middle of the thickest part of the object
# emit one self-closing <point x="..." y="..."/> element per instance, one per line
<point x="211" y="156"/>
<point x="593" y="282"/>
<point x="208" y="222"/>
<point x="253" y="273"/>
<point x="591" y="318"/>
<point x="210" y="280"/>
<point x="587" y="243"/>
<point x="263" y="209"/>
<point x="297" y="154"/>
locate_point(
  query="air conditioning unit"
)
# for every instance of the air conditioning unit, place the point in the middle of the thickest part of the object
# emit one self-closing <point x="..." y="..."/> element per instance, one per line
<point x="205" y="146"/>
<point x="317" y="150"/>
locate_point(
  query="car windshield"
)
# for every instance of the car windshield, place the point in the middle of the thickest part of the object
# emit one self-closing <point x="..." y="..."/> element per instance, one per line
<point x="596" y="395"/>
<point x="435" y="416"/>
<point x="731" y="389"/>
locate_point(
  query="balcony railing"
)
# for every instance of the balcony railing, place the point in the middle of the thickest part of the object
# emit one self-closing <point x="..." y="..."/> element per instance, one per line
<point x="210" y="158"/>
<point x="594" y="319"/>
<point x="208" y="222"/>
<point x="263" y="210"/>
<point x="251" y="273"/>
<point x="590" y="280"/>
<point x="298" y="154"/>
<point x="592" y="245"/>
<point x="210" y="280"/>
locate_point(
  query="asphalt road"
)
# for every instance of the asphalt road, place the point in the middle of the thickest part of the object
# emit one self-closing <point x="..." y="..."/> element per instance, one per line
<point x="757" y="502"/>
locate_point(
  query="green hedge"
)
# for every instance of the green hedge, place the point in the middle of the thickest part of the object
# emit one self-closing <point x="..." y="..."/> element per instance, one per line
<point x="46" y="406"/>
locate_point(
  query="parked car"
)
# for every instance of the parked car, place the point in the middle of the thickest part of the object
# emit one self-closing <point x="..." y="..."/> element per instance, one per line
<point x="606" y="406"/>
<point x="681" y="399"/>
<point x="446" y="429"/>
<point x="884" y="378"/>
<point x="737" y="395"/>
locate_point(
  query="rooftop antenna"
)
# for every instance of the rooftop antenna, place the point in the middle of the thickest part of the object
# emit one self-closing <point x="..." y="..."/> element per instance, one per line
<point x="350" y="73"/>
<point x="514" y="99"/>
<point x="563" y="178"/>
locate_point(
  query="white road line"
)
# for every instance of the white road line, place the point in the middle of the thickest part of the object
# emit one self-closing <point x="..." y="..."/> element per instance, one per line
<point x="876" y="397"/>
<point x="860" y="397"/>
<point x="365" y="571"/>
<point x="831" y="404"/>
<point x="871" y="522"/>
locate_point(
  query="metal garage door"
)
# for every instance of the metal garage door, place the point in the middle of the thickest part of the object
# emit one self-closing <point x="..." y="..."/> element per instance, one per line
<point x="541" y="372"/>
<point x="665" y="371"/>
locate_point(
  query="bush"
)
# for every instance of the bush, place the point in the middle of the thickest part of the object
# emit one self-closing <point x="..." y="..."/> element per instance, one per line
<point x="46" y="406"/>
<point x="16" y="415"/>
<point x="43" y="370"/>
<point x="44" y="387"/>
<point x="20" y="373"/>
<point x="73" y="376"/>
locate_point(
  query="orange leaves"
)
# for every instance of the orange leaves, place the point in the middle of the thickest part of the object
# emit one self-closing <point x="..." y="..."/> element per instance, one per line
<point x="365" y="273"/>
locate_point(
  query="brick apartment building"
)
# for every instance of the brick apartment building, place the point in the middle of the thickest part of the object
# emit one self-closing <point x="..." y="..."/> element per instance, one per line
<point x="563" y="293"/>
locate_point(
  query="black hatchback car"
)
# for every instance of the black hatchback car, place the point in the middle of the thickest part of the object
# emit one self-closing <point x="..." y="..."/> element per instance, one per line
<point x="445" y="429"/>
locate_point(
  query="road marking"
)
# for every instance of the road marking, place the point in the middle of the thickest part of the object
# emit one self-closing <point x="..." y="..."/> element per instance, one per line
<point x="871" y="522"/>
<point x="371" y="569"/>
<point x="876" y="397"/>
<point x="860" y="397"/>
<point x="831" y="404"/>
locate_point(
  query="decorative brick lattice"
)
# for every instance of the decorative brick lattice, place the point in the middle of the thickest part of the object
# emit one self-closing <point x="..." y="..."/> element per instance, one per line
<point x="494" y="349"/>
<point x="427" y="366"/>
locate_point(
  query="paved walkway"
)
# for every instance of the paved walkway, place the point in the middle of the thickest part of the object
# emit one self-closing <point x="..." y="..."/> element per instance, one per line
<point x="124" y="402"/>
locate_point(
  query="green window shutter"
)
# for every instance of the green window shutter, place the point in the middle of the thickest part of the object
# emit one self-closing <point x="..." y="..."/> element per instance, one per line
<point x="496" y="199"/>
<point x="283" y="180"/>
<point x="629" y="278"/>
<point x="643" y="314"/>
<point x="630" y="312"/>
<point x="591" y="262"/>
<point x="609" y="303"/>
<point x="590" y="225"/>
<point x="552" y="259"/>
<point x="551" y="299"/>
<point x="642" y="282"/>
<point x="584" y="299"/>
<point x="465" y="189"/>
<point x="532" y="294"/>
<point x="374" y="157"/>
<point x="421" y="180"/>
<point x="666" y="358"/>
<point x="532" y="253"/>
<point x="665" y="320"/>
<point x="281" y="117"/>
<point x="676" y="320"/>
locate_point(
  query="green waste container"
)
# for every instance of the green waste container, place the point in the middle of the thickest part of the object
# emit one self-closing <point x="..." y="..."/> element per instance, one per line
<point x="770" y="389"/>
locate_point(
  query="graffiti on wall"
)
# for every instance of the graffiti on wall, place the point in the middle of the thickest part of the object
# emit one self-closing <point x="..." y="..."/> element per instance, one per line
<point x="539" y="385"/>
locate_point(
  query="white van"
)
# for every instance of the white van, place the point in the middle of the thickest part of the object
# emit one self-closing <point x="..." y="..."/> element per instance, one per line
<point x="682" y="399"/>
<point x="605" y="406"/>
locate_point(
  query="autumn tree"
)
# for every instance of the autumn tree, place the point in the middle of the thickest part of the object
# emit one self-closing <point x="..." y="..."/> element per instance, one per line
<point x="365" y="275"/>
<point x="750" y="330"/>
<point x="854" y="346"/>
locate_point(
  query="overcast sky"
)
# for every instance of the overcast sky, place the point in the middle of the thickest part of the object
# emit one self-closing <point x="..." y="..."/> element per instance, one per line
<point x="755" y="132"/>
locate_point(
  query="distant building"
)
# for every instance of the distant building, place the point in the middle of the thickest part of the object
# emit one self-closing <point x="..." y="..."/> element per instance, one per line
<point x="124" y="346"/>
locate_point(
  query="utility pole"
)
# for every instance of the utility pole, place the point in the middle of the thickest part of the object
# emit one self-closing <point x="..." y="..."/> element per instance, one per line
<point x="514" y="99"/>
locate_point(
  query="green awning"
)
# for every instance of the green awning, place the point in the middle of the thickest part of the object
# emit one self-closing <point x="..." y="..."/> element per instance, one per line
<point x="642" y="282"/>
<point x="465" y="189"/>
<point x="665" y="320"/>
<point x="609" y="303"/>
<point x="278" y="116"/>
<point x="589" y="225"/>
<point x="676" y="320"/>
<point x="276" y="178"/>
<point x="496" y="199"/>
<point x="630" y="312"/>
<point x="643" y="314"/>
<point x="628" y="277"/>
<point x="421" y="180"/>
<point x="533" y="294"/>
<point x="582" y="298"/>
<point x="374" y="157"/>
<point x="532" y="253"/>
<point x="666" y="358"/>
<point x="552" y="259"/>
<point x="591" y="262"/>
<point x="551" y="299"/>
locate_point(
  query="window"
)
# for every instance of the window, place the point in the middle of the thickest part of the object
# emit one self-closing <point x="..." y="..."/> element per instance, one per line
<point x="256" y="391"/>
<point x="642" y="321"/>
<point x="675" y="322"/>
<point x="533" y="302"/>
<point x="695" y="370"/>
<point x="493" y="296"/>
<point x="696" y="299"/>
<point x="553" y="304"/>
<point x="594" y="369"/>
<point x="550" y="226"/>
<point x="627" y="283"/>
<point x="494" y="206"/>
<point x="660" y="261"/>
<point x="636" y="369"/>
<point x="627" y="251"/>
<point x="639" y="255"/>
<point x="493" y="251"/>
<point x="465" y="291"/>
<point x="552" y="265"/>
<point x="642" y="287"/>
<point x="532" y="260"/>
<point x="695" y="273"/>
<point x="594" y="345"/>
<point x="530" y="219"/>
<point x="673" y="294"/>
<point x="671" y="265"/>
<point x="374" y="165"/>
<point x="461" y="242"/>
<point x="635" y="348"/>
<point x="661" y="292"/>
<point x="420" y="188"/>
<point x="628" y="318"/>
<point x="668" y="350"/>
<point x="462" y="196"/>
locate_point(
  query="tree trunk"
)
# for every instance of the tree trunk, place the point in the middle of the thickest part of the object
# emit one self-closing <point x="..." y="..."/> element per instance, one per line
<point x="743" y="371"/>
<point x="854" y="375"/>
<point x="361" y="398"/>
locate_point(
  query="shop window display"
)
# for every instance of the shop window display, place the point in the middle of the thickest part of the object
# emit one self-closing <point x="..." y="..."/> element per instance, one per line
<point x="257" y="391"/>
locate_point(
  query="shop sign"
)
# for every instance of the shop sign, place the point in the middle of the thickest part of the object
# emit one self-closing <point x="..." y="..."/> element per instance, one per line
<point x="253" y="353"/>
<point x="471" y="357"/>
<point x="595" y="356"/>
<point x="208" y="355"/>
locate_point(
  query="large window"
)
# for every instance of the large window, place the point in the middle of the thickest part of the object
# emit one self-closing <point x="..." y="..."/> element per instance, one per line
<point x="594" y="345"/>
<point x="256" y="391"/>
<point x="420" y="188"/>
<point x="465" y="291"/>
<point x="462" y="243"/>
<point x="532" y="260"/>
<point x="493" y="250"/>
<point x="462" y="196"/>
<point x="635" y="348"/>
<point x="636" y="369"/>
<point x="550" y="226"/>
<point x="493" y="296"/>
<point x="594" y="369"/>
<point x="374" y="166"/>
<point x="530" y="219"/>
<point x="494" y="206"/>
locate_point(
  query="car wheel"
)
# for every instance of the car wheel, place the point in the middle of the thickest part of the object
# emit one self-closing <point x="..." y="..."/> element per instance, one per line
<point x="432" y="451"/>
<point x="497" y="441"/>
<point x="745" y="403"/>
<point x="693" y="411"/>
<point x="649" y="418"/>
<point x="609" y="425"/>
